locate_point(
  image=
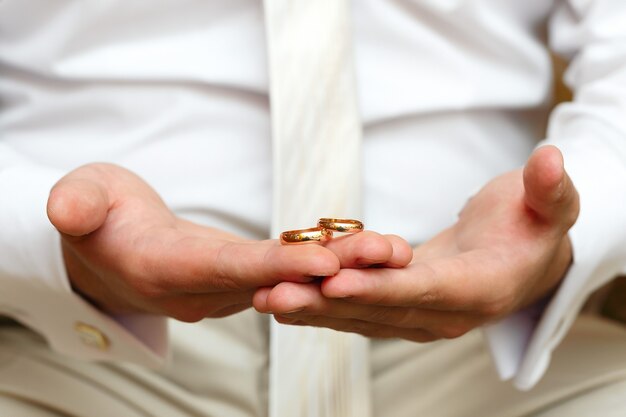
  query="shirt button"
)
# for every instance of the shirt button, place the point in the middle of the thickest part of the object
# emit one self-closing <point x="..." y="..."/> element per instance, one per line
<point x="91" y="336"/>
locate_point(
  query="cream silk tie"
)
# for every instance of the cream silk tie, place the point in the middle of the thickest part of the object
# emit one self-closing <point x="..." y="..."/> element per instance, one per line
<point x="317" y="173"/>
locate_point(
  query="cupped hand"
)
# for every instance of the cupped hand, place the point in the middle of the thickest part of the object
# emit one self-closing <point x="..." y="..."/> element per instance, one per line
<point x="127" y="252"/>
<point x="508" y="249"/>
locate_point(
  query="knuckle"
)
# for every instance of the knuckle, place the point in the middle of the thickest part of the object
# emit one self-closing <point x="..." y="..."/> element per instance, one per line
<point x="185" y="313"/>
<point x="489" y="309"/>
<point x="572" y="215"/>
<point x="228" y="311"/>
<point x="423" y="337"/>
<point x="429" y="297"/>
<point x="146" y="290"/>
<point x="285" y="320"/>
<point x="496" y="308"/>
<point x="227" y="282"/>
<point x="188" y="316"/>
<point x="357" y="326"/>
<point x="379" y="315"/>
<point x="220" y="275"/>
<point x="402" y="317"/>
<point x="569" y="204"/>
<point x="498" y="301"/>
<point x="453" y="331"/>
<point x="378" y="334"/>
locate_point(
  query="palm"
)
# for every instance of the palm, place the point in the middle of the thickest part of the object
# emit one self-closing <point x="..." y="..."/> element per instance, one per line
<point x="508" y="248"/>
<point x="502" y="245"/>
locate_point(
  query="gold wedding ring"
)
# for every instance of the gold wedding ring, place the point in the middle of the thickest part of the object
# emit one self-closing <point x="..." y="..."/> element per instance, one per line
<point x="314" y="234"/>
<point x="341" y="225"/>
<point x="321" y="233"/>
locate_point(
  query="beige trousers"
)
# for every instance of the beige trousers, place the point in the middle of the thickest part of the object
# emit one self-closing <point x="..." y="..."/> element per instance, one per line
<point x="219" y="368"/>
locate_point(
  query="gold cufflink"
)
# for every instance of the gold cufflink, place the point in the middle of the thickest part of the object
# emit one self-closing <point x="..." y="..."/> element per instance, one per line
<point x="91" y="336"/>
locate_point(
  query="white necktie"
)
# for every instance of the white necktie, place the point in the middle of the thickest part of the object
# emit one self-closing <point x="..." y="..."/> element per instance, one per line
<point x="317" y="158"/>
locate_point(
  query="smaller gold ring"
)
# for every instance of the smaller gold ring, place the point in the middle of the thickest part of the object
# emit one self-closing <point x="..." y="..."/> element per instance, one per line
<point x="341" y="225"/>
<point x="297" y="237"/>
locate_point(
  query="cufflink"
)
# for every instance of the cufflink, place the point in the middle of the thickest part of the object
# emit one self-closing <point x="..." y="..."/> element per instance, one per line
<point x="91" y="336"/>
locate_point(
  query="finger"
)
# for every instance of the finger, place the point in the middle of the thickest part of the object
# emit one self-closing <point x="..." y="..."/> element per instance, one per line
<point x="205" y="265"/>
<point x="259" y="300"/>
<point x="402" y="252"/>
<point x="80" y="202"/>
<point x="362" y="250"/>
<point x="77" y="206"/>
<point x="230" y="310"/>
<point x="287" y="297"/>
<point x="466" y="282"/>
<point x="361" y="327"/>
<point x="299" y="301"/>
<point x="194" y="307"/>
<point x="549" y="191"/>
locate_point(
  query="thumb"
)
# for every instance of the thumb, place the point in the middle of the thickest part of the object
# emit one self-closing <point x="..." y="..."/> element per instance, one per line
<point x="78" y="204"/>
<point x="549" y="192"/>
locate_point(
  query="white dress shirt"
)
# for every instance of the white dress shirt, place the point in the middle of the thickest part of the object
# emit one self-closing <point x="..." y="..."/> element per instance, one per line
<point x="452" y="93"/>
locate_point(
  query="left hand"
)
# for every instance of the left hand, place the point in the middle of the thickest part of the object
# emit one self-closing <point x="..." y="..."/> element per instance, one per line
<point x="508" y="249"/>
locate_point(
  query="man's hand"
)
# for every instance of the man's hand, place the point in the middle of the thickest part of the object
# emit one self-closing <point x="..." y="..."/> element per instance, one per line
<point x="127" y="252"/>
<point x="508" y="249"/>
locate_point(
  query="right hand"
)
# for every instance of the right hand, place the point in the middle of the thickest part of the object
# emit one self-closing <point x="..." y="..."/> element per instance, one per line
<point x="126" y="252"/>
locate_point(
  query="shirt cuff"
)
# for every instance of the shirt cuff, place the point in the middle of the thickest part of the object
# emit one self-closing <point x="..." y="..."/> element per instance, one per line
<point x="36" y="289"/>
<point x="508" y="339"/>
<point x="522" y="344"/>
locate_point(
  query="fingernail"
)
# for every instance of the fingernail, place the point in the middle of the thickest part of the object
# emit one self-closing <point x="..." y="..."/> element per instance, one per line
<point x="287" y="320"/>
<point x="560" y="189"/>
<point x="315" y="279"/>
<point x="369" y="262"/>
<point x="323" y="275"/>
<point x="365" y="262"/>
<point x="297" y="310"/>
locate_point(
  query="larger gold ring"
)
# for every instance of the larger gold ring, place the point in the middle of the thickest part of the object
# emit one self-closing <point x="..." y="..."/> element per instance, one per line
<point x="341" y="225"/>
<point x="297" y="237"/>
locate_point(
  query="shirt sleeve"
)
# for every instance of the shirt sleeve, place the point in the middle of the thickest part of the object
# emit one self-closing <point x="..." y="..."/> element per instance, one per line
<point x="591" y="133"/>
<point x="35" y="287"/>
